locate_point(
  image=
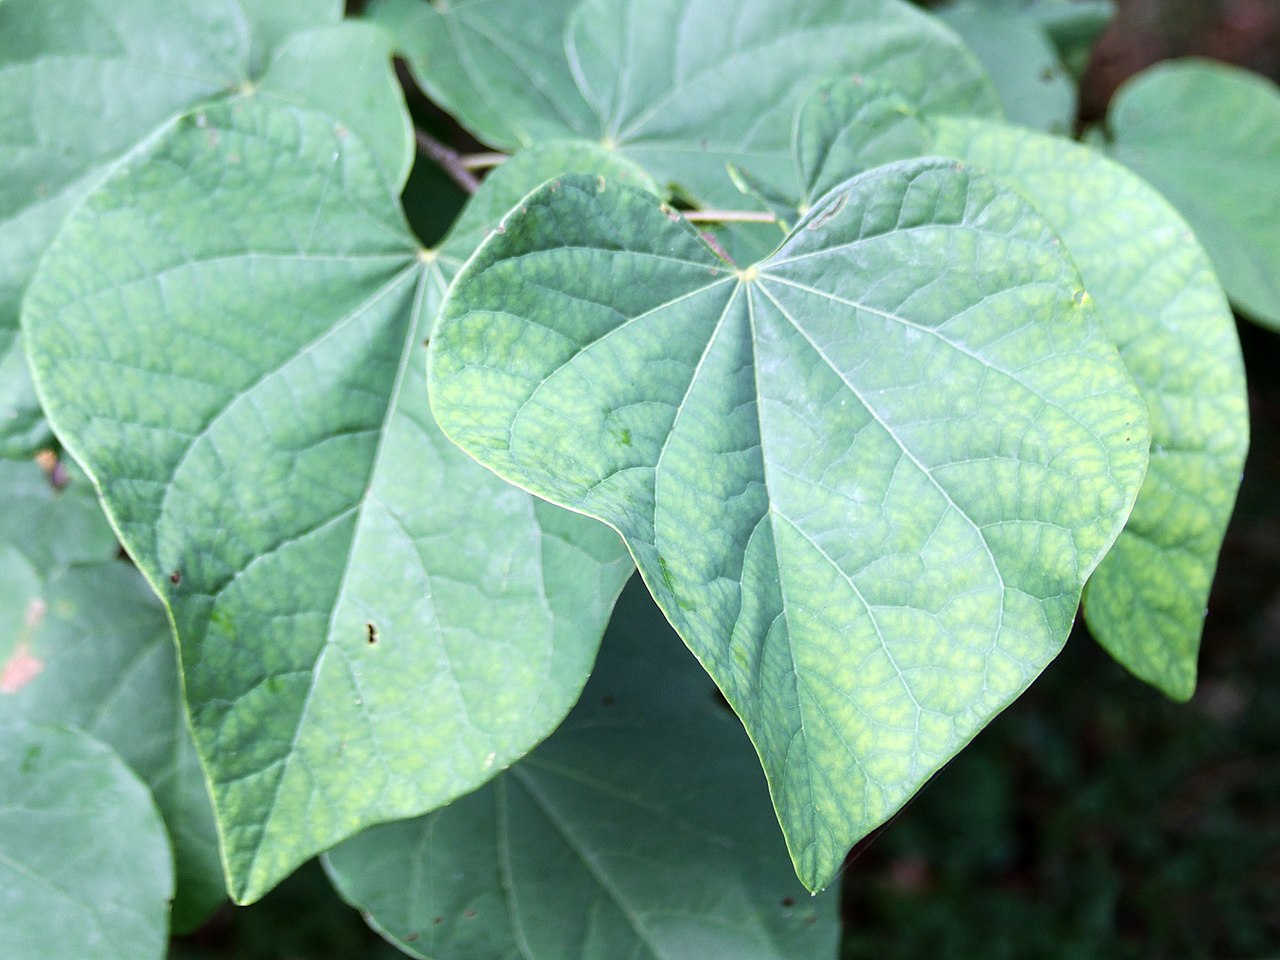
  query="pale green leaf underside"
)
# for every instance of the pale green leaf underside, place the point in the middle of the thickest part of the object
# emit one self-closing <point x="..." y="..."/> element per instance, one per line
<point x="107" y="665"/>
<point x="84" y="862"/>
<point x="1208" y="137"/>
<point x="85" y="81"/>
<point x="866" y="480"/>
<point x="1022" y="62"/>
<point x="680" y="86"/>
<point x="1158" y="298"/>
<point x="229" y="336"/>
<point x="648" y="811"/>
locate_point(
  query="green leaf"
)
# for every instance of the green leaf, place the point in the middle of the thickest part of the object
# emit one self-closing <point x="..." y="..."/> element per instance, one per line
<point x="1073" y="26"/>
<point x="1207" y="136"/>
<point x="84" y="863"/>
<point x="272" y="22"/>
<point x="106" y="664"/>
<point x="866" y="479"/>
<point x="1034" y="86"/>
<point x="54" y="528"/>
<point x="87" y="82"/>
<point x="646" y="807"/>
<point x="90" y="646"/>
<point x="83" y="83"/>
<point x="1159" y="300"/>
<point x="370" y="624"/>
<point x="848" y="127"/>
<point x="498" y="66"/>
<point x="682" y="87"/>
<point x="345" y="70"/>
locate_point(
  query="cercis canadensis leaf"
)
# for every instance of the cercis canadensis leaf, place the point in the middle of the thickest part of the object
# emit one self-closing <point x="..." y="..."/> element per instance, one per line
<point x="1158" y="298"/>
<point x="229" y="336"/>
<point x="84" y="862"/>
<point x="682" y="87"/>
<point x="640" y="829"/>
<point x="104" y="661"/>
<point x="84" y="83"/>
<point x="1207" y="136"/>
<point x="866" y="479"/>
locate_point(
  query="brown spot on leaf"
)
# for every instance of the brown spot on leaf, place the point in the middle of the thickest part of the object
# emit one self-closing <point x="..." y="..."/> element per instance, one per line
<point x="372" y="630"/>
<point x="469" y="914"/>
<point x="20" y="669"/>
<point x="176" y="577"/>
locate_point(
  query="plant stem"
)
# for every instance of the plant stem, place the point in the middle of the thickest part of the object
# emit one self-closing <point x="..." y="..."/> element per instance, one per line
<point x="449" y="160"/>
<point x="483" y="161"/>
<point x="729" y="216"/>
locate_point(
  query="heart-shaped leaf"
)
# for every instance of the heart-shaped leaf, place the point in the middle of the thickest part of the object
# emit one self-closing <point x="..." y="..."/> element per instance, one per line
<point x="1158" y="298"/>
<point x="84" y="862"/>
<point x="1208" y="137"/>
<point x="86" y="82"/>
<point x="680" y="86"/>
<point x="370" y="624"/>
<point x="866" y="479"/>
<point x="646" y="807"/>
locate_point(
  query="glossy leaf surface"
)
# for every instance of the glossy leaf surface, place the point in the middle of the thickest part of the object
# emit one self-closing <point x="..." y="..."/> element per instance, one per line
<point x="1157" y="295"/>
<point x="1208" y="137"/>
<point x="648" y="811"/>
<point x="680" y="87"/>
<point x="84" y="862"/>
<point x="866" y="479"/>
<point x="229" y="336"/>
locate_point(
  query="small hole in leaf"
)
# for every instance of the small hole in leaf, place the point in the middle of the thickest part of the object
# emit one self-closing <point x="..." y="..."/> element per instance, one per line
<point x="469" y="914"/>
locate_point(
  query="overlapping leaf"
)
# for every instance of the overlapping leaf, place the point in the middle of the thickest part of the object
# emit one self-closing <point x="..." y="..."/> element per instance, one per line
<point x="1159" y="300"/>
<point x="84" y="863"/>
<point x="1023" y="63"/>
<point x="85" y="643"/>
<point x="1208" y="137"/>
<point x="866" y="479"/>
<point x="85" y="81"/>
<point x="640" y="829"/>
<point x="229" y="336"/>
<point x="680" y="86"/>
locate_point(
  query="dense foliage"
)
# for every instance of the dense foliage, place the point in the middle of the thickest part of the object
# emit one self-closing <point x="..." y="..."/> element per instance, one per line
<point x="873" y="373"/>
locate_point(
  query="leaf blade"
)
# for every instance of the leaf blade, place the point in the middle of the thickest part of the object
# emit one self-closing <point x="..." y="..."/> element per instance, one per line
<point x="637" y="380"/>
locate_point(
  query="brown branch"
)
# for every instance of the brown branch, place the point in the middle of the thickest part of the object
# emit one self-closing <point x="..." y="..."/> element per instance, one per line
<point x="450" y="160"/>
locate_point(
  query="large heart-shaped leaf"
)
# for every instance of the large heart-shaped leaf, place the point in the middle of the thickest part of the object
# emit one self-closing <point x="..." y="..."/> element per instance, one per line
<point x="85" y="81"/>
<point x="1157" y="295"/>
<point x="370" y="624"/>
<point x="646" y="807"/>
<point x="1208" y="137"/>
<point x="866" y="479"/>
<point x="84" y="863"/>
<point x="680" y="86"/>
